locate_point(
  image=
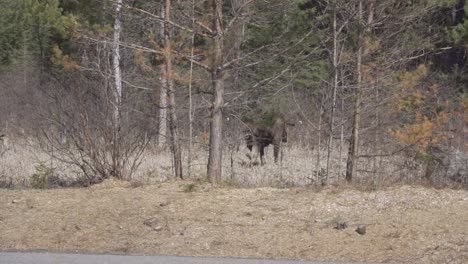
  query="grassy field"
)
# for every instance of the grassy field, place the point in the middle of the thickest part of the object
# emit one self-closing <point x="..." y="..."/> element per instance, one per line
<point x="404" y="224"/>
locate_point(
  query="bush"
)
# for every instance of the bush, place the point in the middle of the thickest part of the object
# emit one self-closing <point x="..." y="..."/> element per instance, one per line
<point x="191" y="187"/>
<point x="42" y="177"/>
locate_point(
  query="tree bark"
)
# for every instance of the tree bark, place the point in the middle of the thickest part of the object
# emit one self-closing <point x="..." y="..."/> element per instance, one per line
<point x="116" y="63"/>
<point x="353" y="154"/>
<point x="239" y="36"/>
<point x="190" y="146"/>
<point x="175" y="145"/>
<point x="117" y="92"/>
<point x="340" y="167"/>
<point x="376" y="136"/>
<point x="317" y="166"/>
<point x="217" y="73"/>
<point x="162" y="132"/>
<point x="334" y="89"/>
<point x="351" y="164"/>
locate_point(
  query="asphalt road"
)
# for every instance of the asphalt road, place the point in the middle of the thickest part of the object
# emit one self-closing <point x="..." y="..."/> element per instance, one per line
<point x="59" y="258"/>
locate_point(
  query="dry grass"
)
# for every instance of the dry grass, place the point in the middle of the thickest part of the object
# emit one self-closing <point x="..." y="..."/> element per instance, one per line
<point x="297" y="169"/>
<point x="20" y="161"/>
<point x="404" y="224"/>
<point x="149" y="215"/>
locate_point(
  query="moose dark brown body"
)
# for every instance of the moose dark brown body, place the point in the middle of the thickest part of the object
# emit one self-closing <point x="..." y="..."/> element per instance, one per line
<point x="258" y="138"/>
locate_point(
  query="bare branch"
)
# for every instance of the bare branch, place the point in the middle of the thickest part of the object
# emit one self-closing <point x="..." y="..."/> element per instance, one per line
<point x="236" y="17"/>
<point x="227" y="64"/>
<point x="206" y="28"/>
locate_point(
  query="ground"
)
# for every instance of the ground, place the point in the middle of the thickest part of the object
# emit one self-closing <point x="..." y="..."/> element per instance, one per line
<point x="403" y="224"/>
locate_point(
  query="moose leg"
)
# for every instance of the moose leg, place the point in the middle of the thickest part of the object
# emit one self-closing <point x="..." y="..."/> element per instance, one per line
<point x="249" y="156"/>
<point x="255" y="152"/>
<point x="262" y="153"/>
<point x="276" y="149"/>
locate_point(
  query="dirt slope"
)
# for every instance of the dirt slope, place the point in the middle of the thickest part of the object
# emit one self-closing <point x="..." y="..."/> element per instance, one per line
<point x="403" y="224"/>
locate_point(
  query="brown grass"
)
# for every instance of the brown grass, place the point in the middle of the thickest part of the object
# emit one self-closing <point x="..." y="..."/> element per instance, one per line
<point x="149" y="215"/>
<point x="404" y="224"/>
<point x="297" y="169"/>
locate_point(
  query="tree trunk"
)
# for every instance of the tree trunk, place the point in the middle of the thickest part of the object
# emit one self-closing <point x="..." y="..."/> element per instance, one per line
<point x="238" y="30"/>
<point x="376" y="136"/>
<point x="217" y="73"/>
<point x="116" y="63"/>
<point x="175" y="145"/>
<point x="351" y="164"/>
<point x="116" y="170"/>
<point x="162" y="134"/>
<point x="317" y="166"/>
<point x="192" y="44"/>
<point x="353" y="154"/>
<point x="163" y="86"/>
<point x="341" y="140"/>
<point x="334" y="89"/>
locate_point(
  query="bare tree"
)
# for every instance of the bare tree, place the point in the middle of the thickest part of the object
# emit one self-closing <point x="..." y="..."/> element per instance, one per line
<point x="175" y="145"/>
<point x="162" y="135"/>
<point x="318" y="168"/>
<point x="351" y="164"/>
<point x="118" y="87"/>
<point x="334" y="88"/>
<point x="364" y="31"/>
<point x="190" y="113"/>
<point x="217" y="73"/>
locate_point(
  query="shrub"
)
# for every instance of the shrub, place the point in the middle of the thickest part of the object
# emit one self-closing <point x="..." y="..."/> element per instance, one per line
<point x="191" y="187"/>
<point x="42" y="177"/>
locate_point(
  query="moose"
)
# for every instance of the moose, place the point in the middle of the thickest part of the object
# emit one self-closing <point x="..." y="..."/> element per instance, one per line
<point x="258" y="138"/>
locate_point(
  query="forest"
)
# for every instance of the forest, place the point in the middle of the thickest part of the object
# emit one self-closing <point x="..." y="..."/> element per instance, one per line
<point x="370" y="92"/>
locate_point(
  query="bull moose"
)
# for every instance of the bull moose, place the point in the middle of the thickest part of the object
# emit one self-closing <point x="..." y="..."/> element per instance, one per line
<point x="258" y="138"/>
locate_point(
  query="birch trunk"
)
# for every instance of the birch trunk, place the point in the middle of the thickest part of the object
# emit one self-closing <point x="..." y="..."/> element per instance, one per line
<point x="162" y="132"/>
<point x="340" y="168"/>
<point x="117" y="91"/>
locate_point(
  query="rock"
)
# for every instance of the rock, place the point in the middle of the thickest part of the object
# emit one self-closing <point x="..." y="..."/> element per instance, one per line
<point x="341" y="225"/>
<point x="361" y="229"/>
<point x="16" y="201"/>
<point x="151" y="222"/>
<point x="154" y="223"/>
